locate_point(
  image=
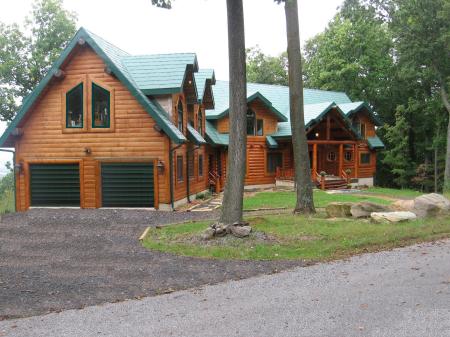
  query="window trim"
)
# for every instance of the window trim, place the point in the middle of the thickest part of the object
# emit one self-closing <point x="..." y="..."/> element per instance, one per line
<point x="67" y="92"/>
<point x="93" y="126"/>
<point x="200" y="176"/>
<point x="177" y="107"/>
<point x="351" y="156"/>
<point x="333" y="160"/>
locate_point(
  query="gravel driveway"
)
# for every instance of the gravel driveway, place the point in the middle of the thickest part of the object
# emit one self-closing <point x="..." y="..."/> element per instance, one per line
<point x="400" y="293"/>
<point x="51" y="260"/>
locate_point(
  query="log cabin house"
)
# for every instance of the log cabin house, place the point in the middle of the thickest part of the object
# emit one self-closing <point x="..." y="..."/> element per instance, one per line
<point x="108" y="129"/>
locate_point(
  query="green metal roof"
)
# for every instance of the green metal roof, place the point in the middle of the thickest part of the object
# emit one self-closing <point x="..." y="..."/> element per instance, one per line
<point x="112" y="56"/>
<point x="159" y="74"/>
<point x="278" y="96"/>
<point x="375" y="143"/>
<point x="194" y="136"/>
<point x="215" y="138"/>
<point x="271" y="142"/>
<point x="349" y="109"/>
<point x="201" y="77"/>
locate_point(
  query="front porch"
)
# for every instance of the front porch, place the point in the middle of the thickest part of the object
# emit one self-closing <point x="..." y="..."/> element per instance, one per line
<point x="333" y="164"/>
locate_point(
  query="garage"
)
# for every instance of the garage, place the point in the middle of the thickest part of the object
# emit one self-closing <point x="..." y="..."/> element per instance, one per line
<point x="128" y="185"/>
<point x="55" y="185"/>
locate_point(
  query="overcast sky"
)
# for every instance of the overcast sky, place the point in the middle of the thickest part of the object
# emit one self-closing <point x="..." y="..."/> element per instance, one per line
<point x="198" y="26"/>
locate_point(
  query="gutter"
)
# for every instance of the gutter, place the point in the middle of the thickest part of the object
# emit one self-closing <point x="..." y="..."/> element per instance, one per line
<point x="14" y="172"/>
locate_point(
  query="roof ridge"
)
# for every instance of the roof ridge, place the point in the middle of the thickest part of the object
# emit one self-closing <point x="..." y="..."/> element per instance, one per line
<point x="106" y="41"/>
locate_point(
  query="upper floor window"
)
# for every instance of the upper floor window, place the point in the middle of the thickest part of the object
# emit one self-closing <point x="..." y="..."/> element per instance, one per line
<point x="180" y="115"/>
<point x="100" y="107"/>
<point x="360" y="127"/>
<point x="250" y="123"/>
<point x="259" y="127"/>
<point x="200" y="121"/>
<point x="74" y="107"/>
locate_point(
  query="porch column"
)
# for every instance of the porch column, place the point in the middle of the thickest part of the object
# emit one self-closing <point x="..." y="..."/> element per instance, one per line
<point x="314" y="162"/>
<point x="356" y="154"/>
<point x="341" y="159"/>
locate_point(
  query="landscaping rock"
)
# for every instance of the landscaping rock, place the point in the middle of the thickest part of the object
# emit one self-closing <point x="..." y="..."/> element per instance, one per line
<point x="403" y="205"/>
<point x="207" y="234"/>
<point x="392" y="216"/>
<point x="338" y="209"/>
<point x="241" y="231"/>
<point x="364" y="209"/>
<point x="429" y="205"/>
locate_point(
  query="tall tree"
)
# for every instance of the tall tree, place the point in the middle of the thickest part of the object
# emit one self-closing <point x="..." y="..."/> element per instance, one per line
<point x="26" y="56"/>
<point x="234" y="189"/>
<point x="232" y="206"/>
<point x="305" y="201"/>
<point x="262" y="68"/>
<point x="422" y="32"/>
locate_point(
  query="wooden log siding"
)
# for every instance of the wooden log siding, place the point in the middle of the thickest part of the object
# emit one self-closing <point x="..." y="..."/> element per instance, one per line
<point x="134" y="136"/>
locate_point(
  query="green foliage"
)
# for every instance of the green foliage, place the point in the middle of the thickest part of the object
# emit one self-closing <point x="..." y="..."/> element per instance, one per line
<point x="162" y="3"/>
<point x="297" y="237"/>
<point x="262" y="68"/>
<point x="7" y="193"/>
<point x="26" y="56"/>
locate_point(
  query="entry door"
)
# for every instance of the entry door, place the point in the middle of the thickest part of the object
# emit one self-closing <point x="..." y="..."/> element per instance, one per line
<point x="128" y="185"/>
<point x="55" y="185"/>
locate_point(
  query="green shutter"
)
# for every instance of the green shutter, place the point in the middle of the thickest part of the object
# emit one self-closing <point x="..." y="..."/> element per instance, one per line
<point x="127" y="185"/>
<point x="55" y="185"/>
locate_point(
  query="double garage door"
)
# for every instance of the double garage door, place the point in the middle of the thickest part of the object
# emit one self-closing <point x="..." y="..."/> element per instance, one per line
<point x="122" y="185"/>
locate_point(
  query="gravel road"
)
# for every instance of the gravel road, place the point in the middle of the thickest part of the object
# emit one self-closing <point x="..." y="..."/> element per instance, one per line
<point x="404" y="292"/>
<point x="52" y="260"/>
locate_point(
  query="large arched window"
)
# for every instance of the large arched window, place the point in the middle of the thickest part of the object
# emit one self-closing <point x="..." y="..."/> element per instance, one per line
<point x="74" y="107"/>
<point x="200" y="121"/>
<point x="100" y="107"/>
<point x="180" y="115"/>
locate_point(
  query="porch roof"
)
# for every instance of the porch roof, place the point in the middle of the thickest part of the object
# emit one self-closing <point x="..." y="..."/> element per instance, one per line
<point x="194" y="136"/>
<point x="375" y="143"/>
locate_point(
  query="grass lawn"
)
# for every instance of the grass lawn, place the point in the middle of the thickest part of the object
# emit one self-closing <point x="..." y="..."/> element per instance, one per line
<point x="392" y="192"/>
<point x="297" y="237"/>
<point x="287" y="199"/>
<point x="7" y="202"/>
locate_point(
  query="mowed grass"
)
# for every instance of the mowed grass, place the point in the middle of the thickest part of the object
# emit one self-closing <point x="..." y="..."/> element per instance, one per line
<point x="298" y="237"/>
<point x="7" y="202"/>
<point x="394" y="193"/>
<point x="287" y="199"/>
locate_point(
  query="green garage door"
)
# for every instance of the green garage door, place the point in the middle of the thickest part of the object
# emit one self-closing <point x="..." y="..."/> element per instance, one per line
<point x="127" y="185"/>
<point x="55" y="184"/>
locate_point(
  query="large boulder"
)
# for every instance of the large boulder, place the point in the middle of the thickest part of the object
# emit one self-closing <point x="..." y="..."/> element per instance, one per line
<point x="365" y="208"/>
<point x="338" y="209"/>
<point x="403" y="205"/>
<point x="429" y="205"/>
<point x="392" y="216"/>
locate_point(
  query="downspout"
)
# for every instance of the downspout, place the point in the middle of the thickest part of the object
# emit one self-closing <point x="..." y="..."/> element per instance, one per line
<point x="171" y="171"/>
<point x="14" y="172"/>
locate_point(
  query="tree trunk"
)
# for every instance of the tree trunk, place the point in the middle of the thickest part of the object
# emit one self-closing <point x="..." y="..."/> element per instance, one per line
<point x="446" y="102"/>
<point x="234" y="187"/>
<point x="305" y="201"/>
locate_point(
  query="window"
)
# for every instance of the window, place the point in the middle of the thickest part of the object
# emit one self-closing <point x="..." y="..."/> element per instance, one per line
<point x="362" y="130"/>
<point x="348" y="155"/>
<point x="190" y="162"/>
<point x="259" y="127"/>
<point x="74" y="107"/>
<point x="250" y="123"/>
<point x="179" y="168"/>
<point x="364" y="158"/>
<point x="200" y="122"/>
<point x="180" y="115"/>
<point x="100" y="107"/>
<point x="274" y="160"/>
<point x="331" y="156"/>
<point x="200" y="165"/>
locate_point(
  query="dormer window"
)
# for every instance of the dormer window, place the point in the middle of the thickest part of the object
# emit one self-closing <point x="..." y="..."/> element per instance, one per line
<point x="74" y="107"/>
<point x="180" y="115"/>
<point x="254" y="126"/>
<point x="100" y="107"/>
